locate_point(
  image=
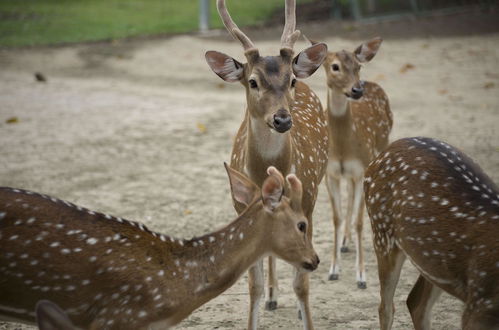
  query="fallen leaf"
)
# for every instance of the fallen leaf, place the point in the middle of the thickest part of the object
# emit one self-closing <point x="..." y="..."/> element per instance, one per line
<point x="187" y="212"/>
<point x="406" y="67"/>
<point x="12" y="120"/>
<point x="201" y="128"/>
<point x="221" y="85"/>
<point x="350" y="28"/>
<point x="443" y="91"/>
<point x="489" y="85"/>
<point x="380" y="77"/>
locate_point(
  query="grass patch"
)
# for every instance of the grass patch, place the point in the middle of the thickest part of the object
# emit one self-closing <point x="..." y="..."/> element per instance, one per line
<point x="45" y="22"/>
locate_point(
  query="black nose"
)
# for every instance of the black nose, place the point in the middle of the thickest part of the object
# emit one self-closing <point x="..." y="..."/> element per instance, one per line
<point x="311" y="266"/>
<point x="282" y="121"/>
<point x="357" y="92"/>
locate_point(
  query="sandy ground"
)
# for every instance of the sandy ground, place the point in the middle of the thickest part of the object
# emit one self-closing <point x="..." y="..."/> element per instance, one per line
<point x="120" y="128"/>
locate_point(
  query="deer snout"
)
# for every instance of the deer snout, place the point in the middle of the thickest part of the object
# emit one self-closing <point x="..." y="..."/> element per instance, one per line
<point x="357" y="92"/>
<point x="282" y="121"/>
<point x="312" y="265"/>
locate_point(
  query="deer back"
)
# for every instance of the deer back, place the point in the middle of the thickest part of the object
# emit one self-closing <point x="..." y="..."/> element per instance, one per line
<point x="97" y="266"/>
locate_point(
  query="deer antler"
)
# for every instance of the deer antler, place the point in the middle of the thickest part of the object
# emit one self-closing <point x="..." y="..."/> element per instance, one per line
<point x="289" y="34"/>
<point x="232" y="27"/>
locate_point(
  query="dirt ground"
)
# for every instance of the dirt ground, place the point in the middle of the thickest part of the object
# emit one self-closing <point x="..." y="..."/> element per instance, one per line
<point x="140" y="129"/>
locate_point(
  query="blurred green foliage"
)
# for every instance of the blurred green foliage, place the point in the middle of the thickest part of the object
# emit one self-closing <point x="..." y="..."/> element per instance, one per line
<point x="42" y="22"/>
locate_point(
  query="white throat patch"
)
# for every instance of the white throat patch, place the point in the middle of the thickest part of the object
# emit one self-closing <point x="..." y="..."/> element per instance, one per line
<point x="268" y="142"/>
<point x="337" y="102"/>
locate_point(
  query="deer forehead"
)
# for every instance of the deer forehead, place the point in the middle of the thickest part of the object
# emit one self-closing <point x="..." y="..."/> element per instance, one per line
<point x="272" y="73"/>
<point x="345" y="59"/>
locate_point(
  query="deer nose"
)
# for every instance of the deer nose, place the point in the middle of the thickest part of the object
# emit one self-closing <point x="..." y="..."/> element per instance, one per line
<point x="282" y="121"/>
<point x="357" y="92"/>
<point x="311" y="266"/>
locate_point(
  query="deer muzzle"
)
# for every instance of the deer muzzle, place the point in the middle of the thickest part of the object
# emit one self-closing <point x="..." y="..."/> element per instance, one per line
<point x="312" y="265"/>
<point x="282" y="121"/>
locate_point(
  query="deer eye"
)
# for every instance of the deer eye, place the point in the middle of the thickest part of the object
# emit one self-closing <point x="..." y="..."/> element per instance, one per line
<point x="336" y="67"/>
<point x="253" y="84"/>
<point x="293" y="83"/>
<point x="302" y="226"/>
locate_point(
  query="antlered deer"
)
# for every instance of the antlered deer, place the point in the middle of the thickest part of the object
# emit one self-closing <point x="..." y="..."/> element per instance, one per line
<point x="284" y="126"/>
<point x="432" y="204"/>
<point x="109" y="273"/>
<point x="360" y="122"/>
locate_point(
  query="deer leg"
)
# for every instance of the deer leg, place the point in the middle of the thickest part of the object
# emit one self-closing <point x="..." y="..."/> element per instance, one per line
<point x="420" y="302"/>
<point x="389" y="267"/>
<point x="333" y="188"/>
<point x="349" y="220"/>
<point x="256" y="283"/>
<point x="301" y="287"/>
<point x="271" y="303"/>
<point x="358" y="221"/>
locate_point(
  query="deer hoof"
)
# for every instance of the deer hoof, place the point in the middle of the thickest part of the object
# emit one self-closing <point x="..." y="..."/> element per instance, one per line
<point x="334" y="277"/>
<point x="361" y="285"/>
<point x="271" y="305"/>
<point x="344" y="249"/>
<point x="299" y="315"/>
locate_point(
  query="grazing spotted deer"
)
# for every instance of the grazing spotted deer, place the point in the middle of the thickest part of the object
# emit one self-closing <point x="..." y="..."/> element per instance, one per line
<point x="432" y="204"/>
<point x="110" y="273"/>
<point x="284" y="126"/>
<point x="360" y="122"/>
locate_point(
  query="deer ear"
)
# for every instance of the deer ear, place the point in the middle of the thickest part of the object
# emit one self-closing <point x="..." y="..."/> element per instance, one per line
<point x="368" y="50"/>
<point x="310" y="41"/>
<point x="309" y="60"/>
<point x="296" y="191"/>
<point x="224" y="66"/>
<point x="49" y="316"/>
<point x="272" y="189"/>
<point x="243" y="189"/>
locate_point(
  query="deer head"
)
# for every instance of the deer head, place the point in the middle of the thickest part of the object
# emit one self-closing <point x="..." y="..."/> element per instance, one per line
<point x="269" y="80"/>
<point x="283" y="216"/>
<point x="343" y="67"/>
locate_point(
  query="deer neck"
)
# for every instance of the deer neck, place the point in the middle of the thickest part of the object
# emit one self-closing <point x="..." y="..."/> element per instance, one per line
<point x="266" y="147"/>
<point x="337" y="102"/>
<point x="210" y="264"/>
<point x="340" y="121"/>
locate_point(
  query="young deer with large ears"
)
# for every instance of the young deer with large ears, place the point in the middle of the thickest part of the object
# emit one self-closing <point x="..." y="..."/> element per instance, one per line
<point x="284" y="126"/>
<point x="432" y="204"/>
<point x="110" y="273"/>
<point x="360" y="121"/>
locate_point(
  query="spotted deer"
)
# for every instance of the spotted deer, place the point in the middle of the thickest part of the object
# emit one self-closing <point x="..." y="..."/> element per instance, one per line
<point x="106" y="272"/>
<point x="284" y="126"/>
<point x="360" y="122"/>
<point x="432" y="204"/>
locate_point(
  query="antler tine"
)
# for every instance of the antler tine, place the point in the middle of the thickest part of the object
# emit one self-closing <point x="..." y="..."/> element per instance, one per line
<point x="232" y="27"/>
<point x="289" y="34"/>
